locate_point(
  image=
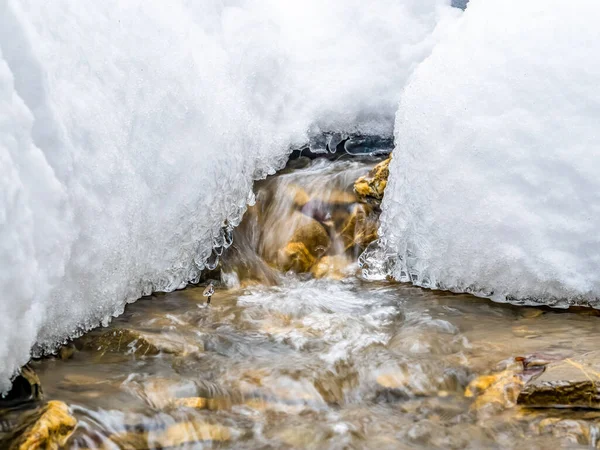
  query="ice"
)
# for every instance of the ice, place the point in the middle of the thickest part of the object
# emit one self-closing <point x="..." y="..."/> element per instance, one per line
<point x="131" y="132"/>
<point x="494" y="185"/>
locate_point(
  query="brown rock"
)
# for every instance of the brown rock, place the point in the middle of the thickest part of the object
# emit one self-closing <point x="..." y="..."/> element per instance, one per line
<point x="121" y="340"/>
<point x="360" y="228"/>
<point x="570" y="383"/>
<point x="314" y="237"/>
<point x="307" y="243"/>
<point x="371" y="187"/>
<point x="48" y="428"/>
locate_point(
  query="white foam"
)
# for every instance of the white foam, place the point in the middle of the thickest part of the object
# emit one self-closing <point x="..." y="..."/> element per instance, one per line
<point x="130" y="131"/>
<point x="494" y="185"/>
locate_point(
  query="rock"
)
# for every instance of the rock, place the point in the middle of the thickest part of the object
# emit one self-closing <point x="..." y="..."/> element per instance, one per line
<point x="182" y="434"/>
<point x="48" y="428"/>
<point x="295" y="257"/>
<point x="371" y="187"/>
<point x="138" y="343"/>
<point x="496" y="392"/>
<point x="360" y="228"/>
<point x="211" y="404"/>
<point x="571" y="431"/>
<point x="570" y="383"/>
<point x="26" y="387"/>
<point x="121" y="340"/>
<point x="331" y="267"/>
<point x="312" y="234"/>
<point x="308" y="242"/>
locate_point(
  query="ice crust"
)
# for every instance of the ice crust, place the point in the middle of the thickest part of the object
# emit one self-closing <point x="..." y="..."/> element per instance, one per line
<point x="131" y="131"/>
<point x="494" y="186"/>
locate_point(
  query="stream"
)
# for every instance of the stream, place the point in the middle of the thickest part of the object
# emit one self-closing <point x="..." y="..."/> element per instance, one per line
<point x="324" y="360"/>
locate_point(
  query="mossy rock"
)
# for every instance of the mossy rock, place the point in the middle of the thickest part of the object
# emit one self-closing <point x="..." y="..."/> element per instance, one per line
<point x="371" y="187"/>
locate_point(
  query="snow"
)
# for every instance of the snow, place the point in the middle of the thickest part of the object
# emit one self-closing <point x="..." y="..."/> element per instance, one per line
<point x="494" y="185"/>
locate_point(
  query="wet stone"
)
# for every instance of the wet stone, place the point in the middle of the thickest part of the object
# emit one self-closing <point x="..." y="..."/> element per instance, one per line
<point x="360" y="227"/>
<point x="47" y="428"/>
<point x="120" y="340"/>
<point x="570" y="383"/>
<point x="579" y="432"/>
<point x="371" y="187"/>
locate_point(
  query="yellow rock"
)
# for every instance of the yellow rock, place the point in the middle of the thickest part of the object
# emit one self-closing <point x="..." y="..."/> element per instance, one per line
<point x="495" y="392"/>
<point x="295" y="257"/>
<point x="330" y="266"/>
<point x="212" y="404"/>
<point x="48" y="429"/>
<point x="372" y="186"/>
<point x="480" y="384"/>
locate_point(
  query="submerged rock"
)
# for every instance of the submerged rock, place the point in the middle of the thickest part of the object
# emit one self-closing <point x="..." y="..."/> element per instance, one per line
<point x="295" y="257"/>
<point x="182" y="434"/>
<point x="48" y="428"/>
<point x="312" y="234"/>
<point x="360" y="228"/>
<point x="134" y="342"/>
<point x="495" y="392"/>
<point x="570" y="383"/>
<point x="578" y="432"/>
<point x="371" y="187"/>
<point x="308" y="242"/>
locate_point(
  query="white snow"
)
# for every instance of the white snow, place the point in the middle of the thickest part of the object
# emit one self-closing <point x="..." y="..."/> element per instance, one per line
<point x="495" y="186"/>
<point x="129" y="132"/>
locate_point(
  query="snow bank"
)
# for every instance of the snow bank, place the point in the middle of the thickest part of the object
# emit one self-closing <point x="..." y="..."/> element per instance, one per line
<point x="130" y="131"/>
<point x="494" y="185"/>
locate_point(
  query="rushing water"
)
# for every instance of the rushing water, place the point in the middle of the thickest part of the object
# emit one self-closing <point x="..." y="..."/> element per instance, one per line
<point x="307" y="363"/>
<point x="320" y="363"/>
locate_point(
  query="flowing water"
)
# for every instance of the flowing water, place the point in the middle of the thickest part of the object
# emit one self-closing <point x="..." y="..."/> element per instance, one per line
<point x="291" y="361"/>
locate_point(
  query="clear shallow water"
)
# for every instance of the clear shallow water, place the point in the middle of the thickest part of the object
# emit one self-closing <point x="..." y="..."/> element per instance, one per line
<point x="310" y="364"/>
